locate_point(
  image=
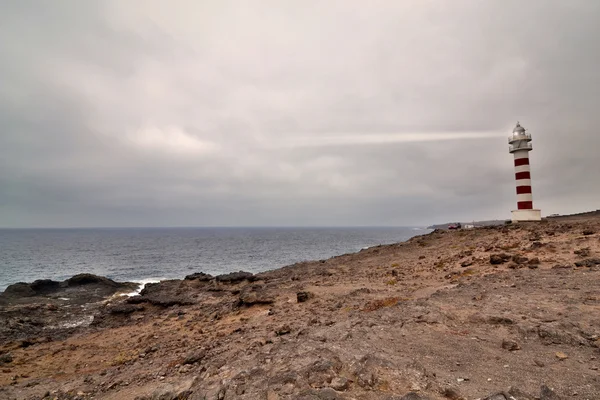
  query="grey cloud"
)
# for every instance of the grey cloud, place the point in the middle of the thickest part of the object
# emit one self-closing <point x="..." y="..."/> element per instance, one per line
<point x="146" y="114"/>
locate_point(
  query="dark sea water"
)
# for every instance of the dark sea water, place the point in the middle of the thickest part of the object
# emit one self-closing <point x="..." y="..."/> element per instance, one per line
<point x="151" y="254"/>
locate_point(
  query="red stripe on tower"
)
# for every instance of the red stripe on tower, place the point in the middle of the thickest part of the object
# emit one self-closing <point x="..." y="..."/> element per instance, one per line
<point x="525" y="205"/>
<point x="521" y="161"/>
<point x="523" y="175"/>
<point x="523" y="189"/>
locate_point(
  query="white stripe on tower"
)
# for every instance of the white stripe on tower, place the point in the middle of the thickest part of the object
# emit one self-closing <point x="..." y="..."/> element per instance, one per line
<point x="524" y="197"/>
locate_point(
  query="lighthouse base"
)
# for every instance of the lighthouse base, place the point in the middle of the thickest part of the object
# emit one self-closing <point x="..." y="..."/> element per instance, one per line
<point x="526" y="215"/>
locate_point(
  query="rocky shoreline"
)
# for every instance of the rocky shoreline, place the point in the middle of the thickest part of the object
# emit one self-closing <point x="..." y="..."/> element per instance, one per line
<point x="497" y="313"/>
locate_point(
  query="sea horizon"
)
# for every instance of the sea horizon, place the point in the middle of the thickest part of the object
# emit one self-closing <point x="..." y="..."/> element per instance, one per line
<point x="137" y="254"/>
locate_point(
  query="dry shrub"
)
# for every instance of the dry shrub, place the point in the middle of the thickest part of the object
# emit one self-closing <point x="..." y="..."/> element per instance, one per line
<point x="377" y="304"/>
<point x="468" y="272"/>
<point x="124" y="357"/>
<point x="509" y="246"/>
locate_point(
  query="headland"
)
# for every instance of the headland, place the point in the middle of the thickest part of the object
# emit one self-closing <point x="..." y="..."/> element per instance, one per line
<point x="499" y="312"/>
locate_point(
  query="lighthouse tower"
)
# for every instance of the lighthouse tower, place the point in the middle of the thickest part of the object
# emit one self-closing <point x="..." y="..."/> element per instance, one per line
<point x="520" y="146"/>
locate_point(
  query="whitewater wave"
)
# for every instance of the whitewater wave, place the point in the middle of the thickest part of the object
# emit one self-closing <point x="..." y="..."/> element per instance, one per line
<point x="142" y="284"/>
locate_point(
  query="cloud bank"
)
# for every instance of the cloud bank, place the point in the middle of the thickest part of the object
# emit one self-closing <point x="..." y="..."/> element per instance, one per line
<point x="228" y="113"/>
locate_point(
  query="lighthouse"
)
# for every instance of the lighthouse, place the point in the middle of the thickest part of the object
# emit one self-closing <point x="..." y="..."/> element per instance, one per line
<point x="520" y="145"/>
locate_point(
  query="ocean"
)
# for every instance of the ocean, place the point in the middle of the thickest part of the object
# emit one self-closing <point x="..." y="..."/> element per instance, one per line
<point x="151" y="254"/>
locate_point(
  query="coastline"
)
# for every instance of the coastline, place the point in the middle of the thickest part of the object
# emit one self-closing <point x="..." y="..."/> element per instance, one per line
<point x="171" y="253"/>
<point x="465" y="314"/>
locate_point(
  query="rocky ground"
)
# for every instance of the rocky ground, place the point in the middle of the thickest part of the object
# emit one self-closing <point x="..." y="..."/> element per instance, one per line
<point x="509" y="312"/>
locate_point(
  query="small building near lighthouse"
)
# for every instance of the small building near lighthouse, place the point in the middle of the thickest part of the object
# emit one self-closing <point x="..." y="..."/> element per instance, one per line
<point x="520" y="145"/>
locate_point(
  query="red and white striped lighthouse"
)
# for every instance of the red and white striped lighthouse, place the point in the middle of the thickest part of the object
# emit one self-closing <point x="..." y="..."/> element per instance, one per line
<point x="520" y="145"/>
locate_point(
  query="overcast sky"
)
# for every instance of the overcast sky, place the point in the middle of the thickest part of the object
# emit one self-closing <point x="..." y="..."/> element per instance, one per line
<point x="218" y="113"/>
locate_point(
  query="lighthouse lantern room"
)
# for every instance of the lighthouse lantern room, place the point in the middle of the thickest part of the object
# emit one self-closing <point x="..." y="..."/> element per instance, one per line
<point x="520" y="145"/>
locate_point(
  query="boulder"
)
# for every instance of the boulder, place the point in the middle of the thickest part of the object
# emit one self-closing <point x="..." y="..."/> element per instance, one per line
<point x="6" y="358"/>
<point x="87" y="279"/>
<point x="322" y="372"/>
<point x="519" y="259"/>
<point x="283" y="330"/>
<point x="236" y="277"/>
<point x="548" y="394"/>
<point x="533" y="261"/>
<point x="20" y="289"/>
<point x="584" y="252"/>
<point x="194" y="357"/>
<point x="45" y="286"/>
<point x="301" y="297"/>
<point x="452" y="394"/>
<point x="165" y="294"/>
<point x="510" y="345"/>
<point x="199" y="276"/>
<point x="589" y="262"/>
<point x="500" y="258"/>
<point x="255" y="294"/>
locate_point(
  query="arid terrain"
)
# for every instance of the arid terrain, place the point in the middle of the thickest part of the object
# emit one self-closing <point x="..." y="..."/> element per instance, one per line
<point x="498" y="313"/>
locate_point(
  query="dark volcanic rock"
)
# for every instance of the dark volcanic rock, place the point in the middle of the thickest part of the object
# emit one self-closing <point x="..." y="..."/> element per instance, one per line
<point x="536" y="245"/>
<point x="255" y="294"/>
<point x="80" y="289"/>
<point x="518" y="259"/>
<point x="499" y="320"/>
<point x="125" y="309"/>
<point x="584" y="252"/>
<point x="413" y="396"/>
<point x="301" y="297"/>
<point x="236" y="277"/>
<point x="45" y="286"/>
<point x="501" y="258"/>
<point x="283" y="330"/>
<point x="533" y="261"/>
<point x="199" y="276"/>
<point x="87" y="279"/>
<point x="165" y="294"/>
<point x="6" y="358"/>
<point x="510" y="345"/>
<point x="194" y="357"/>
<point x="20" y="289"/>
<point x="548" y="394"/>
<point x="590" y="262"/>
<point x="452" y="394"/>
<point x="322" y="372"/>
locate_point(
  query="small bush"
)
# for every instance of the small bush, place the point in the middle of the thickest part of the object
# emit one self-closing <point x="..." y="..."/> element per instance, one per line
<point x="377" y="304"/>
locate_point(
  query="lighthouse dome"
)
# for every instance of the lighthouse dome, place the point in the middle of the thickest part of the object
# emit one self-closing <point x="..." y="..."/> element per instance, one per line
<point x="519" y="130"/>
